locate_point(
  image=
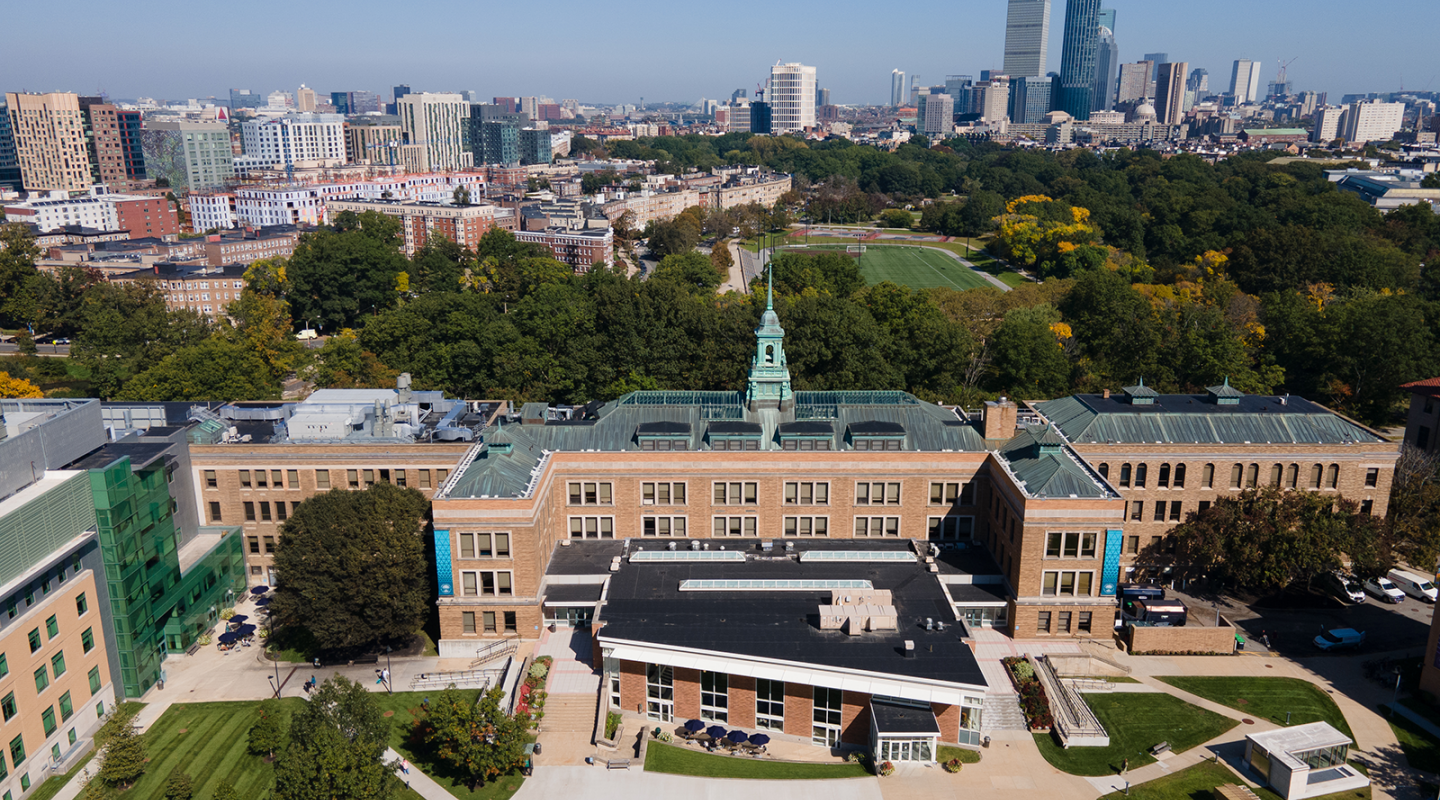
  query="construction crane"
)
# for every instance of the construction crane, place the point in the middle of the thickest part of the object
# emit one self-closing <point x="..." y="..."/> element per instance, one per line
<point x="759" y="90"/>
<point x="1285" y="69"/>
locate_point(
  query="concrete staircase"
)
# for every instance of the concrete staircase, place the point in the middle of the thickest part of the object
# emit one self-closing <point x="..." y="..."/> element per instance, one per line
<point x="1002" y="713"/>
<point x="569" y="713"/>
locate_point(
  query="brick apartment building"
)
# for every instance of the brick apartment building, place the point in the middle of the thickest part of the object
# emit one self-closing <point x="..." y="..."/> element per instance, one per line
<point x="464" y="225"/>
<point x="581" y="248"/>
<point x="146" y="216"/>
<point x="203" y="290"/>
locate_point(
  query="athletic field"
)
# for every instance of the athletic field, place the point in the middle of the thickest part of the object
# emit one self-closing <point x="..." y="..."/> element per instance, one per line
<point x="906" y="265"/>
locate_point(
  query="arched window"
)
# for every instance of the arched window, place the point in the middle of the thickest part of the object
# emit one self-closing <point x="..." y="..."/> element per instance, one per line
<point x="1292" y="476"/>
<point x="1124" y="474"/>
<point x="1164" y="479"/>
<point x="1333" y="479"/>
<point x="769" y="354"/>
<point x="1207" y="476"/>
<point x="1140" y="475"/>
<point x="1235" y="472"/>
<point x="1179" y="480"/>
<point x="1252" y="476"/>
<point x="1315" y="476"/>
<point x="1105" y="471"/>
<point x="1275" y="475"/>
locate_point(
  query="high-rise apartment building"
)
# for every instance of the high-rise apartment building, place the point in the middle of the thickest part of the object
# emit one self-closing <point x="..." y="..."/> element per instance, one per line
<point x="1030" y="100"/>
<point x="1327" y="124"/>
<point x="938" y="118"/>
<point x="188" y="156"/>
<point x="299" y="140"/>
<point x="49" y="131"/>
<point x="897" y="88"/>
<point x="961" y="89"/>
<point x="822" y="97"/>
<point x="992" y="98"/>
<point x="438" y="122"/>
<point x="1077" y="59"/>
<point x="1107" y="69"/>
<point x="9" y="162"/>
<point x="117" y="157"/>
<point x="1170" y="93"/>
<point x="1134" y="82"/>
<point x="534" y="146"/>
<point x="305" y="99"/>
<point x="355" y="102"/>
<point x="1027" y="37"/>
<point x="1245" y="81"/>
<point x="1372" y="121"/>
<point x="792" y="97"/>
<point x="373" y="140"/>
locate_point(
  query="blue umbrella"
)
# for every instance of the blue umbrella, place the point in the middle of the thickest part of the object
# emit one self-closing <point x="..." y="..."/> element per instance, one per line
<point x="715" y="732"/>
<point x="694" y="726"/>
<point x="259" y="589"/>
<point x="759" y="740"/>
<point x="226" y="638"/>
<point x="245" y="630"/>
<point x="737" y="736"/>
<point x="237" y="619"/>
<point x="264" y="601"/>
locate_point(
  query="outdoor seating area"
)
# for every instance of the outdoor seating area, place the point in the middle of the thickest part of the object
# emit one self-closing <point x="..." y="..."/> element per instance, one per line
<point x="716" y="739"/>
<point x="239" y="631"/>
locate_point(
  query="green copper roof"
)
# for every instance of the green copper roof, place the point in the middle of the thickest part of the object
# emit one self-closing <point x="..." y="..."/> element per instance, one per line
<point x="1225" y="390"/>
<point x="1044" y="470"/>
<point x="1199" y="419"/>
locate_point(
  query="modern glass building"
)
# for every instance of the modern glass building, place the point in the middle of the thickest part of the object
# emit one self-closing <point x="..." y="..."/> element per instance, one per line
<point x="1078" y="56"/>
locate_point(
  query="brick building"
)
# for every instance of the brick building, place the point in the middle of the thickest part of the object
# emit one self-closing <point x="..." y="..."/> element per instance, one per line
<point x="203" y="290"/>
<point x="464" y="225"/>
<point x="145" y="217"/>
<point x="1422" y="423"/>
<point x="581" y="248"/>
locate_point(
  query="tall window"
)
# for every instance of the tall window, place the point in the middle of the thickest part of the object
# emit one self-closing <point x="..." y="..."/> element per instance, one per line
<point x="1315" y="476"/>
<point x="1140" y="472"/>
<point x="1207" y="476"/>
<point x="770" y="704"/>
<point x="660" y="692"/>
<point x="590" y="494"/>
<point x="735" y="526"/>
<point x="1163" y="480"/>
<point x="1292" y="476"/>
<point x="715" y="696"/>
<point x="1124" y="475"/>
<point x="322" y="479"/>
<point x="1332" y="476"/>
<point x="1179" y="480"/>
<point x="1235" y="473"/>
<point x="827" y="716"/>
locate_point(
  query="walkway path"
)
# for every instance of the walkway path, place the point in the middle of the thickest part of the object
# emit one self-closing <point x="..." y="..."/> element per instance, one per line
<point x="597" y="783"/>
<point x="421" y="783"/>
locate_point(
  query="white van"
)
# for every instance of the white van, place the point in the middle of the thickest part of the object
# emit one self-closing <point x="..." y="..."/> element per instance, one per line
<point x="1384" y="589"/>
<point x="1413" y="585"/>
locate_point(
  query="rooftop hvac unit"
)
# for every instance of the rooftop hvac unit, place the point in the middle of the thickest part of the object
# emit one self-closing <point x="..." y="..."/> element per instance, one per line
<point x="695" y="545"/>
<point x="672" y="545"/>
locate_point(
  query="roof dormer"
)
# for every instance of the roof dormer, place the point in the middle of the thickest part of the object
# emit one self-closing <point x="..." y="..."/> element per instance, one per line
<point x="1140" y="394"/>
<point x="1225" y="394"/>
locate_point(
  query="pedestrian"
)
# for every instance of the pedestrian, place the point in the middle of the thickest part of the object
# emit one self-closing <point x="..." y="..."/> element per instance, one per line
<point x="405" y="766"/>
<point x="1124" y="765"/>
<point x="379" y="676"/>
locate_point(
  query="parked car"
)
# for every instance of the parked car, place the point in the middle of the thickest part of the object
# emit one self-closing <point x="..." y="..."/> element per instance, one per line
<point x="1340" y="639"/>
<point x="1384" y="589"/>
<point x="1344" y="586"/>
<point x="1413" y="585"/>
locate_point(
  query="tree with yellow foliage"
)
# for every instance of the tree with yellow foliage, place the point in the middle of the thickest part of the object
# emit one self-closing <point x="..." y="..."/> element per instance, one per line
<point x="18" y="387"/>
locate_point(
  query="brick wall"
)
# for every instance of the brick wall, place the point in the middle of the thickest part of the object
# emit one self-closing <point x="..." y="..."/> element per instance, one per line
<point x="1024" y="622"/>
<point x="1189" y="639"/>
<point x="799" y="709"/>
<point x="742" y="701"/>
<point x="854" y="718"/>
<point x="632" y="686"/>
<point x="687" y="693"/>
<point x="949" y="719"/>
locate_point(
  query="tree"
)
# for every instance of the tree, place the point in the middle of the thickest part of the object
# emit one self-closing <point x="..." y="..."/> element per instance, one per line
<point x="350" y="271"/>
<point x="337" y="747"/>
<point x="17" y="387"/>
<point x="179" y="786"/>
<point x="342" y="363"/>
<point x="17" y="267"/>
<point x="126" y="328"/>
<point x="478" y="740"/>
<point x="261" y="318"/>
<point x="335" y="539"/>
<point x="461" y="195"/>
<point x="215" y="369"/>
<point x="978" y="215"/>
<point x="692" y="270"/>
<point x="1266" y="539"/>
<point x="1028" y="355"/>
<point x="225" y="791"/>
<point x="896" y="218"/>
<point x="123" y="759"/>
<point x="1413" y="516"/>
<point x="268" y="733"/>
<point x="720" y="257"/>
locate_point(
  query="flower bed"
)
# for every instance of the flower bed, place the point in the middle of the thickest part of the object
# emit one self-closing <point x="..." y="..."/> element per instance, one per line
<point x="1033" y="701"/>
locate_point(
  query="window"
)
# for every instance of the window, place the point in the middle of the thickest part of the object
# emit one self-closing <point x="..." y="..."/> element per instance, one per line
<point x="484" y="545"/>
<point x="590" y="494"/>
<point x="1179" y="480"/>
<point x="4" y="666"/>
<point x="1137" y="510"/>
<point x="1062" y="620"/>
<point x="1203" y="507"/>
<point x="828" y="714"/>
<point x="662" y="494"/>
<point x="663" y="526"/>
<point x="1124" y="475"/>
<point x="210" y="481"/>
<point x="592" y="527"/>
<point x="1292" y="476"/>
<point x="1132" y="544"/>
<point x="1042" y="622"/>
<point x="264" y="510"/>
<point x="260" y="482"/>
<point x="368" y="475"/>
<point x="254" y="545"/>
<point x="57" y="664"/>
<point x="1066" y="584"/>
<point x="87" y="640"/>
<point x="807" y="526"/>
<point x="292" y="478"/>
<point x="951" y="493"/>
<point x="734" y="526"/>
<point x="1372" y="477"/>
<point x="440" y="476"/>
<point x="487" y="584"/>
<point x="244" y="479"/>
<point x="877" y="494"/>
<point x="488" y="619"/>
<point x="1275" y="473"/>
<point x="715" y="696"/>
<point x="249" y="511"/>
<point x="770" y="704"/>
<point x="42" y="679"/>
<point x="352" y="477"/>
<point x="322" y="479"/>
<point x="951" y="527"/>
<point x="467" y="621"/>
<point x="1070" y="545"/>
<point x="276" y="479"/>
<point x="1235" y="476"/>
<point x="660" y="692"/>
<point x="734" y="494"/>
<point x="47" y="719"/>
<point x="1159" y="510"/>
<point x="1252" y="476"/>
<point x="269" y="544"/>
<point x="1084" y="624"/>
<point x="424" y="479"/>
<point x="1140" y="472"/>
<point x="806" y="493"/>
<point x="510" y="624"/>
<point x="280" y="513"/>
<point x="1315" y="472"/>
<point x="1163" y="479"/>
<point x="1422" y="437"/>
<point x="52" y="627"/>
<point x="81" y="604"/>
<point x="1332" y="476"/>
<point x="215" y="511"/>
<point x="877" y="526"/>
<point x="796" y="443"/>
<point x="400" y="478"/>
<point x="1207" y="476"/>
<point x="1105" y="471"/>
<point x="94" y="681"/>
<point x="17" y="750"/>
<point x="7" y="706"/>
<point x="1367" y="506"/>
<point x="1175" y="506"/>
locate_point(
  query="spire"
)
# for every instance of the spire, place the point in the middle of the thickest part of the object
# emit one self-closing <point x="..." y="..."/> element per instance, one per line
<point x="770" y="287"/>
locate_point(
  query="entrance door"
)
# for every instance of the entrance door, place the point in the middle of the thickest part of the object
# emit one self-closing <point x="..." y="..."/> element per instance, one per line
<point x="826" y="728"/>
<point x="660" y="692"/>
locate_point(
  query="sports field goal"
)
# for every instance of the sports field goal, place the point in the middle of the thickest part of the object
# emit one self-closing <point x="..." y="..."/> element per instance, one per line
<point x="856" y="250"/>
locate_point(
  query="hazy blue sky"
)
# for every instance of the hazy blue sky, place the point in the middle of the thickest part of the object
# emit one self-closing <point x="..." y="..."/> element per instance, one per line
<point x="622" y="50"/>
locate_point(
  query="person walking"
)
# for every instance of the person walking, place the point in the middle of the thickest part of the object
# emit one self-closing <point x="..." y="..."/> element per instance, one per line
<point x="1124" y="765"/>
<point x="405" y="766"/>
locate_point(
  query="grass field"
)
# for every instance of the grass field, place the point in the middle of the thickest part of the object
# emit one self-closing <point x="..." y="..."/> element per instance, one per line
<point x="1421" y="751"/>
<point x="911" y="266"/>
<point x="405" y="708"/>
<point x="1267" y="698"/>
<point x="1135" y="722"/>
<point x="680" y="761"/>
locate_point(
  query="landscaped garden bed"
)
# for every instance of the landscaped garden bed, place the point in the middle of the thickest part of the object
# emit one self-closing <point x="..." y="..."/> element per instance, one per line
<point x="1032" y="694"/>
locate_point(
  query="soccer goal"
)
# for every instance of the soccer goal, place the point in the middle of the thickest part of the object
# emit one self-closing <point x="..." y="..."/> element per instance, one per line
<point x="856" y="250"/>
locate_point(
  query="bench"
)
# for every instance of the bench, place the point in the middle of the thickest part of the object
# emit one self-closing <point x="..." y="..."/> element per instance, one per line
<point x="193" y="649"/>
<point x="1163" y="747"/>
<point x="372" y="658"/>
<point x="617" y="763"/>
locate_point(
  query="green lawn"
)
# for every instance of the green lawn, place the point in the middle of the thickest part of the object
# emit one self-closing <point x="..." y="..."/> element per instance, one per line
<point x="1135" y="722"/>
<point x="405" y="708"/>
<point x="1199" y="782"/>
<point x="1421" y="750"/>
<point x="52" y="787"/>
<point x="915" y="267"/>
<point x="1267" y="698"/>
<point x="680" y="761"/>
<point x="945" y="752"/>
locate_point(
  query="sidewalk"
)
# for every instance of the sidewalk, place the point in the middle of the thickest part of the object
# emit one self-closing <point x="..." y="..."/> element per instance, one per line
<point x="419" y="781"/>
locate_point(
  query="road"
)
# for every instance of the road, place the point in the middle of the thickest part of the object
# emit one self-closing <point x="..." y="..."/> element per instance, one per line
<point x="51" y="350"/>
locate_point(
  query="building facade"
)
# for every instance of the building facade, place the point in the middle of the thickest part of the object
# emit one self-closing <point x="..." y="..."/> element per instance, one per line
<point x="1372" y="121"/>
<point x="419" y="221"/>
<point x="50" y="144"/>
<point x="300" y="140"/>
<point x="437" y="123"/>
<point x="117" y="157"/>
<point x="581" y="248"/>
<point x="1027" y="38"/>
<point x="791" y="95"/>
<point x="189" y="156"/>
<point x="1107" y="70"/>
<point x="378" y="143"/>
<point x="1170" y="93"/>
<point x="1245" y="81"/>
<point x="1078" y="56"/>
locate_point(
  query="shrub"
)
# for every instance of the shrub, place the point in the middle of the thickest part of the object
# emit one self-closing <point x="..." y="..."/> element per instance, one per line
<point x="666" y="736"/>
<point x="227" y="613"/>
<point x="886" y="769"/>
<point x="1023" y="670"/>
<point x="179" y="786"/>
<point x="225" y="792"/>
<point x="953" y="765"/>
<point x="539" y="669"/>
<point x="612" y="724"/>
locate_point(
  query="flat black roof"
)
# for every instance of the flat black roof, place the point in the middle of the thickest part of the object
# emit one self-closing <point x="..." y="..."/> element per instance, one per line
<point x="563" y="594"/>
<point x="807" y="428"/>
<point x="663" y="427"/>
<point x="978" y="592"/>
<point x="141" y="454"/>
<point x="645" y="605"/>
<point x="893" y="718"/>
<point x="737" y="428"/>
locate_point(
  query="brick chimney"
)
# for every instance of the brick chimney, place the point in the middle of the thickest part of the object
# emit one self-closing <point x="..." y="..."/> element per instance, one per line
<point x="1000" y="418"/>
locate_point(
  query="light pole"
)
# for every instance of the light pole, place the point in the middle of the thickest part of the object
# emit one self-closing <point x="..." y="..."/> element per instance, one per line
<point x="274" y="685"/>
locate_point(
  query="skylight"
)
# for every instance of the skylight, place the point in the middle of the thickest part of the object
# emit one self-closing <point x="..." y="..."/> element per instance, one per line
<point x="857" y="555"/>
<point x="687" y="555"/>
<point x="754" y="585"/>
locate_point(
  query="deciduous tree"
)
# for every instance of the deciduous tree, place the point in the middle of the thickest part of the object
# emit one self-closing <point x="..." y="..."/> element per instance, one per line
<point x="337" y="747"/>
<point x="478" y="740"/>
<point x="271" y="727"/>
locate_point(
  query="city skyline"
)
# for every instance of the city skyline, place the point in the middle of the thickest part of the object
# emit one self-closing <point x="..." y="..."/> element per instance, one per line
<point x="444" y="58"/>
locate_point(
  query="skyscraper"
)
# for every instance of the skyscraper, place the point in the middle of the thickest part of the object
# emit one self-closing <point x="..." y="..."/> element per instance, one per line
<point x="1077" y="58"/>
<point x="49" y="133"/>
<point x="1107" y="18"/>
<point x="897" y="88"/>
<point x="1107" y="67"/>
<point x="113" y="139"/>
<point x="244" y="98"/>
<point x="1245" y="81"/>
<point x="822" y="97"/>
<point x="1027" y="37"/>
<point x="960" y="88"/>
<point x="1134" y="82"/>
<point x="9" y="162"/>
<point x="305" y="99"/>
<point x="1158" y="58"/>
<point x="1170" y="93"/>
<point x="438" y="122"/>
<point x="792" y="97"/>
<point x="1030" y="100"/>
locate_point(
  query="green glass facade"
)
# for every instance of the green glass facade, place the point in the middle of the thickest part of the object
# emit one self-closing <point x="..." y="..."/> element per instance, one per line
<point x="155" y="608"/>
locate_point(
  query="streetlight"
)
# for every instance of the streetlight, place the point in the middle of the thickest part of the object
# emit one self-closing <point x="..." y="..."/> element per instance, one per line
<point x="274" y="688"/>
